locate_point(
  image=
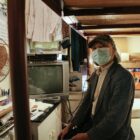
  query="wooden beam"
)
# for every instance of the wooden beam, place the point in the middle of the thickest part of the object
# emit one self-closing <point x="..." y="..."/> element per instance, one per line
<point x="118" y="31"/>
<point x="112" y="33"/>
<point x="109" y="19"/>
<point x="102" y="11"/>
<point x="18" y="69"/>
<point x="100" y="3"/>
<point x="55" y="5"/>
<point x="80" y="27"/>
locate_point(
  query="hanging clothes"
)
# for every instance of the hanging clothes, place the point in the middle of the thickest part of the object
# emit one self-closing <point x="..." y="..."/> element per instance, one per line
<point x="79" y="50"/>
<point x="29" y="17"/>
<point x="42" y="23"/>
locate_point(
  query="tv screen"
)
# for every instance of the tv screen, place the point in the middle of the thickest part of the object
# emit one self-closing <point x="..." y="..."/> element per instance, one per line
<point x="47" y="78"/>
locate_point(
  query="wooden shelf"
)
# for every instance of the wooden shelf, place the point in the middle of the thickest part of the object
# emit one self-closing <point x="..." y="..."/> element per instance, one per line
<point x="131" y="64"/>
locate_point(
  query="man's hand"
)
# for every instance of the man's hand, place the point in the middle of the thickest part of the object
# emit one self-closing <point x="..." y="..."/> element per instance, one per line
<point x="64" y="132"/>
<point x="80" y="136"/>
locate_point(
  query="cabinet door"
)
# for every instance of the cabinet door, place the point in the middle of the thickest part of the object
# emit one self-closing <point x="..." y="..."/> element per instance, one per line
<point x="51" y="126"/>
<point x="58" y="119"/>
<point x="136" y="127"/>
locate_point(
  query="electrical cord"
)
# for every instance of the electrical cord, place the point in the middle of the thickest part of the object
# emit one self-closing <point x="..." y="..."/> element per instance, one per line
<point x="69" y="107"/>
<point x="81" y="99"/>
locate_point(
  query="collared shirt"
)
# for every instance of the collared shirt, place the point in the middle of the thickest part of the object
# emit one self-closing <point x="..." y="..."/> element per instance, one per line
<point x="102" y="73"/>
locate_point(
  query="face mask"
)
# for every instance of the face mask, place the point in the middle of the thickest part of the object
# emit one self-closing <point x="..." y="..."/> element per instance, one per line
<point x="101" y="56"/>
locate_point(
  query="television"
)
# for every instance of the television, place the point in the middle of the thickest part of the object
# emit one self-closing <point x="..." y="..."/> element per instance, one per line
<point x="50" y="78"/>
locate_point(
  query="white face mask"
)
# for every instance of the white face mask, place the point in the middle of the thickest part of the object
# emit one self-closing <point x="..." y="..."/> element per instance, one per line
<point x="101" y="56"/>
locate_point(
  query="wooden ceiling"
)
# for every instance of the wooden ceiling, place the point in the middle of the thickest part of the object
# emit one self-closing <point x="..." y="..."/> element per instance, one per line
<point x="114" y="17"/>
<point x="100" y="3"/>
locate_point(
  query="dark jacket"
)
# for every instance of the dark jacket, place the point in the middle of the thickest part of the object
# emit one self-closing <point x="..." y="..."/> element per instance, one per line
<point x="112" y="119"/>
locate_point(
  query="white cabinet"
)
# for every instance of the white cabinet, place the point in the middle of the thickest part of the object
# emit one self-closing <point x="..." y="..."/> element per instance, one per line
<point x="136" y="127"/>
<point x="49" y="128"/>
<point x="136" y="118"/>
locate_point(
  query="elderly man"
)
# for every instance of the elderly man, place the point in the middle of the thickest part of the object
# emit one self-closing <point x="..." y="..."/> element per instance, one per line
<point x="105" y="113"/>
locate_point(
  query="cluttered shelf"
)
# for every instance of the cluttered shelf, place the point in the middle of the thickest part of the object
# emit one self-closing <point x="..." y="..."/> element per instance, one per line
<point x="130" y="60"/>
<point x="134" y="68"/>
<point x="39" y="111"/>
<point x="131" y="64"/>
<point x="5" y="105"/>
<point x="5" y="111"/>
<point x="6" y="115"/>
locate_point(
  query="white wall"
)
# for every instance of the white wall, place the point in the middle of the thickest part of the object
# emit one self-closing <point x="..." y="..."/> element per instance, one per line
<point x="134" y="44"/>
<point x="121" y="44"/>
<point x="129" y="44"/>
